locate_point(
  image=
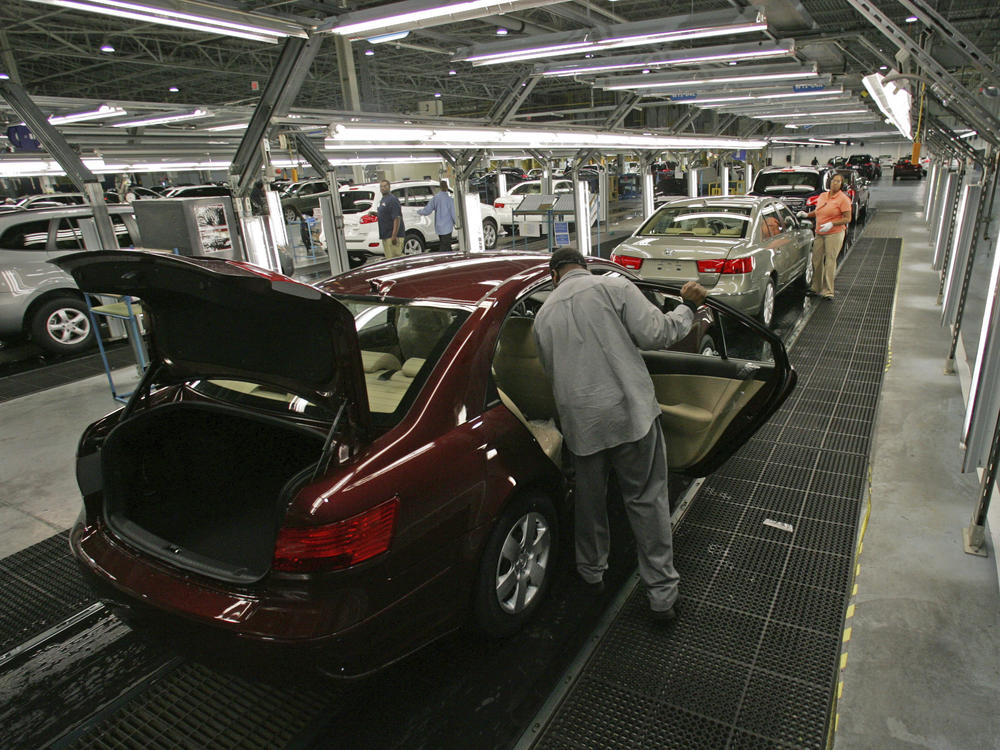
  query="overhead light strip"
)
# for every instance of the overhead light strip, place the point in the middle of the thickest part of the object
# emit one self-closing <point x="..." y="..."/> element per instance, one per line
<point x="688" y="57"/>
<point x="228" y="23"/>
<point x="163" y="119"/>
<point x="101" y="113"/>
<point x="385" y="19"/>
<point x="830" y="112"/>
<point x="714" y="81"/>
<point x="895" y="104"/>
<point x="698" y="101"/>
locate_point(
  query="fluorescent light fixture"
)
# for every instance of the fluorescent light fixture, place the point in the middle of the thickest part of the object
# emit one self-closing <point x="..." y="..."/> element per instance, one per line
<point x="893" y="100"/>
<point x="716" y="54"/>
<point x="202" y="17"/>
<point x="452" y="72"/>
<point x="4" y="77"/>
<point x="821" y="141"/>
<point x="912" y="19"/>
<point x="706" y="79"/>
<point x="413" y="14"/>
<point x="601" y="38"/>
<point x="107" y="48"/>
<point x="163" y="119"/>
<point x="752" y="97"/>
<point x="173" y="89"/>
<point x="501" y="31"/>
<point x="350" y="137"/>
<point x="369" y="52"/>
<point x="391" y="37"/>
<point x="101" y="113"/>
<point x="231" y="126"/>
<point x="970" y="134"/>
<point x="831" y="112"/>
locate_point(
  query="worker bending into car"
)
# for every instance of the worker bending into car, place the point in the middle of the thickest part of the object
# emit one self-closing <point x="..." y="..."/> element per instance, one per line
<point x="587" y="333"/>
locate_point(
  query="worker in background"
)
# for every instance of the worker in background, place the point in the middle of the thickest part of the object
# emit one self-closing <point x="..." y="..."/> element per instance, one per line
<point x="588" y="332"/>
<point x="832" y="215"/>
<point x="443" y="208"/>
<point x="390" y="222"/>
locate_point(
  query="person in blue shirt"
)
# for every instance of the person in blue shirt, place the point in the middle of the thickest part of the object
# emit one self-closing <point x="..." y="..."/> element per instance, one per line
<point x="444" y="215"/>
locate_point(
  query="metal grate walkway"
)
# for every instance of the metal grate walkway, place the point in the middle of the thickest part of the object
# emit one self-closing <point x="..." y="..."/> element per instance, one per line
<point x="752" y="660"/>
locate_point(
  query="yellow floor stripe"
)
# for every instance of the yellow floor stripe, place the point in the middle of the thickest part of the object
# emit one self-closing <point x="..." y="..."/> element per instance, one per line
<point x="850" y="611"/>
<point x="843" y="660"/>
<point x="847" y="634"/>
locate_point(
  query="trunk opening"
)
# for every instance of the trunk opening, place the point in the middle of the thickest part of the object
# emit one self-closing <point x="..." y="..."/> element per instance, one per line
<point x="204" y="487"/>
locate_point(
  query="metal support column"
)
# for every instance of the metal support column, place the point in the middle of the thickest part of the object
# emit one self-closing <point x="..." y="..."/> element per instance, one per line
<point x="60" y="150"/>
<point x="947" y="85"/>
<point x="347" y="73"/>
<point x="931" y="181"/>
<point x="944" y="217"/>
<point x="725" y="180"/>
<point x="974" y="535"/>
<point x="464" y="164"/>
<point x="333" y="229"/>
<point x="646" y="162"/>
<point x="943" y="254"/>
<point x="983" y="212"/>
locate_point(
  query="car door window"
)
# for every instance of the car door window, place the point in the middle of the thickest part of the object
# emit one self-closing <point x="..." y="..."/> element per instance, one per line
<point x="68" y="236"/>
<point x="27" y="235"/>
<point x="418" y="196"/>
<point x="785" y="218"/>
<point x="768" y="225"/>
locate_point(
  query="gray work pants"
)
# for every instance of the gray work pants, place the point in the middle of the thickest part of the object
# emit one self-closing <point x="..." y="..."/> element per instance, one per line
<point x="641" y="468"/>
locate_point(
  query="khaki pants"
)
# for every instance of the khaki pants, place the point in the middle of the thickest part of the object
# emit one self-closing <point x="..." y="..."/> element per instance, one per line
<point x="392" y="248"/>
<point x="826" y="248"/>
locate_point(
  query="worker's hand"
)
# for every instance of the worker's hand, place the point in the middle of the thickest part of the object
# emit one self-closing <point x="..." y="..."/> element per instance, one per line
<point x="825" y="227"/>
<point x="694" y="292"/>
<point x="802" y="215"/>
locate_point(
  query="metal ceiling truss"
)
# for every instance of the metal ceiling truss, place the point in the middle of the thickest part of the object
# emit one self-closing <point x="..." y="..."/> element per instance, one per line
<point x="953" y="36"/>
<point x="946" y="86"/>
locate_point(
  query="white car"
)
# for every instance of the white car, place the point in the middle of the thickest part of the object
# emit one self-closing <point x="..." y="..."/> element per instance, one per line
<point x="506" y="204"/>
<point x="359" y="203"/>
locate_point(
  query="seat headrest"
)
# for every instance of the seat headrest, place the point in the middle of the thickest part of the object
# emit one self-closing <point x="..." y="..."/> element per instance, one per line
<point x="516" y="339"/>
<point x="375" y="361"/>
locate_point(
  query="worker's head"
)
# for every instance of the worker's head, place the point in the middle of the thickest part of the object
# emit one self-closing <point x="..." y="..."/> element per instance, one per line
<point x="563" y="261"/>
<point x="836" y="182"/>
<point x="384" y="186"/>
<point x="443" y="185"/>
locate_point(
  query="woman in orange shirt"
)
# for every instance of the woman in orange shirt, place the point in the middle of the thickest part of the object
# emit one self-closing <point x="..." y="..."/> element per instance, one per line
<point x="832" y="214"/>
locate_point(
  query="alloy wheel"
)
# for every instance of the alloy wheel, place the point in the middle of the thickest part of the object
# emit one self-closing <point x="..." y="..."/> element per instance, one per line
<point x="767" y="309"/>
<point x="68" y="326"/>
<point x="412" y="246"/>
<point x="489" y="235"/>
<point x="523" y="563"/>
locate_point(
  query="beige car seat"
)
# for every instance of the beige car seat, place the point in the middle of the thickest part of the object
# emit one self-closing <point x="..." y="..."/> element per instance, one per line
<point x="519" y="372"/>
<point x="419" y="329"/>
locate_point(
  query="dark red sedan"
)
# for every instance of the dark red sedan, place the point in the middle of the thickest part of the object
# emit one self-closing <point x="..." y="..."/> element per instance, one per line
<point x="343" y="472"/>
<point x="906" y="168"/>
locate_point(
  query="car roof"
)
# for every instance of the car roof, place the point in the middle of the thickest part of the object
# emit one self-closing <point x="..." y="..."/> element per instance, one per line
<point x="448" y="277"/>
<point x="803" y="168"/>
<point x="53" y="212"/>
<point x="392" y="184"/>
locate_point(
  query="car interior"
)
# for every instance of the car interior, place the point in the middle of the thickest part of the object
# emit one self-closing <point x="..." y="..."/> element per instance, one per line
<point x="700" y="397"/>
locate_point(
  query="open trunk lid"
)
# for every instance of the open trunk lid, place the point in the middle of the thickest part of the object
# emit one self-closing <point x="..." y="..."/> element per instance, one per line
<point x="214" y="318"/>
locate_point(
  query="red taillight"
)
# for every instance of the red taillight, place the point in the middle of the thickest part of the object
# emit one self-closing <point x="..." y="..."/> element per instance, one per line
<point x="628" y="261"/>
<point x="850" y="192"/>
<point x="498" y="204"/>
<point x="812" y="200"/>
<point x="736" y="265"/>
<point x="369" y="218"/>
<point x="373" y="244"/>
<point x="336" y="545"/>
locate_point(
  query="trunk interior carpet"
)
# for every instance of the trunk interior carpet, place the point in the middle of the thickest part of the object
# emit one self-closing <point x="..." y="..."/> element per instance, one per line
<point x="766" y="557"/>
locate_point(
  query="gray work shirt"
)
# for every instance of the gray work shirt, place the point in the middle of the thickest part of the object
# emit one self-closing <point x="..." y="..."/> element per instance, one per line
<point x="587" y="333"/>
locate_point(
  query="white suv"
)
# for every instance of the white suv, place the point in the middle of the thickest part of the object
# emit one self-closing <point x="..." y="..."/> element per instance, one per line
<point x="359" y="204"/>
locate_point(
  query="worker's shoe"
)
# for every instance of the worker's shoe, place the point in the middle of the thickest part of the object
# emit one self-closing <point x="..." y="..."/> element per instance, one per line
<point x="588" y="587"/>
<point x="664" y="615"/>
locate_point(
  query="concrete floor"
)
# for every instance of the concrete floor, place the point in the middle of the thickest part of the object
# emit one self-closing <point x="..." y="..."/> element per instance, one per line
<point x="923" y="660"/>
<point x="923" y="667"/>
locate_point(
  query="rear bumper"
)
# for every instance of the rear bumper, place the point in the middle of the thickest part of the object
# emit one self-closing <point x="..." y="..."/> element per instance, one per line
<point x="346" y="631"/>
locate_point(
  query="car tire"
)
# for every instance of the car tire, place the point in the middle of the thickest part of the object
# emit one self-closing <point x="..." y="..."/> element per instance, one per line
<point x="490" y="234"/>
<point x="291" y="215"/>
<point x="707" y="347"/>
<point x="62" y="326"/>
<point x="518" y="564"/>
<point x="805" y="280"/>
<point x="413" y="244"/>
<point x="766" y="312"/>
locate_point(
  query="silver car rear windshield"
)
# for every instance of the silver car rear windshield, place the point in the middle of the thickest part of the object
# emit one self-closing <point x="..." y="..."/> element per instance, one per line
<point x="787" y="182"/>
<point x="698" y="221"/>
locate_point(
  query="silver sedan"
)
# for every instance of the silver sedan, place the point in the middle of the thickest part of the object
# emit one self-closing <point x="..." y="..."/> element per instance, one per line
<point x="743" y="249"/>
